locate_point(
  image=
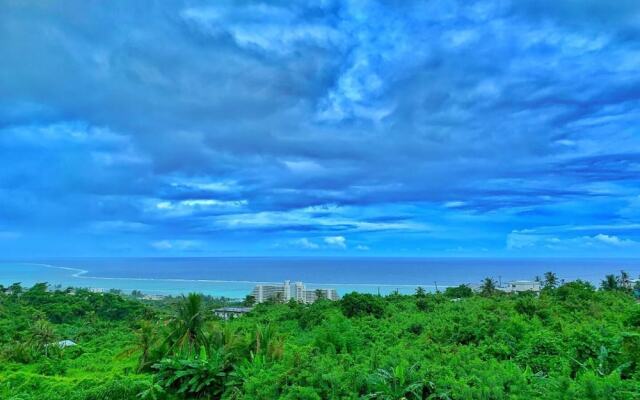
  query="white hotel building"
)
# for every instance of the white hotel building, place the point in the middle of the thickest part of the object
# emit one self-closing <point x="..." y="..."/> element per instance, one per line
<point x="287" y="291"/>
<point x="521" y="286"/>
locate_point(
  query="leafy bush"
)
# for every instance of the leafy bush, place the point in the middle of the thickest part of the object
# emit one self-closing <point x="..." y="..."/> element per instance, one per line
<point x="200" y="377"/>
<point x="458" y="292"/>
<point x="361" y="304"/>
<point x="51" y="367"/>
<point x="571" y="342"/>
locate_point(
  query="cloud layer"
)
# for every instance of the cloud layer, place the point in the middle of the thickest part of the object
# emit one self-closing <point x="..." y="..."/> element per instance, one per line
<point x="332" y="127"/>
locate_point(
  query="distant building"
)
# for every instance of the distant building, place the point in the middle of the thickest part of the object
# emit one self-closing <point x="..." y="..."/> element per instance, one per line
<point x="152" y="297"/>
<point x="231" y="312"/>
<point x="288" y="291"/>
<point x="310" y="296"/>
<point x="521" y="286"/>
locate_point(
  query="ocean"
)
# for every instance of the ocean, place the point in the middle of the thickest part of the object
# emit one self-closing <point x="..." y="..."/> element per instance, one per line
<point x="234" y="277"/>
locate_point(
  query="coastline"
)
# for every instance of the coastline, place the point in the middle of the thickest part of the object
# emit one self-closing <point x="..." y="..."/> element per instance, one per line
<point x="384" y="276"/>
<point x="234" y="289"/>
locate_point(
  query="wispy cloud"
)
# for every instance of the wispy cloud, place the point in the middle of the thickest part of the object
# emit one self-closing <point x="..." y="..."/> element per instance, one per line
<point x="177" y="245"/>
<point x="413" y="125"/>
<point x="337" y="241"/>
<point x="572" y="244"/>
<point x="305" y="243"/>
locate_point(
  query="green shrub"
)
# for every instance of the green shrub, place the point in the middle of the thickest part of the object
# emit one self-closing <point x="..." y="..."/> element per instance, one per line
<point x="359" y="304"/>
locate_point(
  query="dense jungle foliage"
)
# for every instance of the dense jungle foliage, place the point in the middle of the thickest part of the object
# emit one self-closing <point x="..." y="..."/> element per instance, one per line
<point x="569" y="342"/>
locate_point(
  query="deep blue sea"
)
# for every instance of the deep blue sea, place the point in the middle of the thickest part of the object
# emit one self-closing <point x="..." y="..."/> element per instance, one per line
<point x="235" y="277"/>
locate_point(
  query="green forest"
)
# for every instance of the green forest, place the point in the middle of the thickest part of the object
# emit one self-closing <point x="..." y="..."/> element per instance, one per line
<point x="570" y="341"/>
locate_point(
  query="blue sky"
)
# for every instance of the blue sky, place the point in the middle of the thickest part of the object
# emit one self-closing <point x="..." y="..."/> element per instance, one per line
<point x="368" y="128"/>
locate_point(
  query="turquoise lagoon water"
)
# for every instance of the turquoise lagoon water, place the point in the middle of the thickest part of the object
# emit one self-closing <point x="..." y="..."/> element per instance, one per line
<point x="235" y="277"/>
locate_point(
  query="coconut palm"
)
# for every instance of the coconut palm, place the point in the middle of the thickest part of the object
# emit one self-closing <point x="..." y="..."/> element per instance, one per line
<point x="228" y="341"/>
<point x="15" y="289"/>
<point x="267" y="342"/>
<point x="488" y="287"/>
<point x="550" y="280"/>
<point x="42" y="335"/>
<point x="249" y="301"/>
<point x="187" y="332"/>
<point x="624" y="281"/>
<point x="148" y="344"/>
<point x="145" y="342"/>
<point x="610" y="282"/>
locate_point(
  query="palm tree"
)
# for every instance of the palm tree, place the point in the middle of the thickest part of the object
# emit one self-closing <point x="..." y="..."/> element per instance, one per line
<point x="15" y="289"/>
<point x="147" y="344"/>
<point x="550" y="280"/>
<point x="42" y="335"/>
<point x="420" y="292"/>
<point x="267" y="342"/>
<point x="610" y="282"/>
<point x="624" y="281"/>
<point x="249" y="301"/>
<point x="488" y="287"/>
<point x="228" y="340"/>
<point x="187" y="324"/>
<point x="146" y="340"/>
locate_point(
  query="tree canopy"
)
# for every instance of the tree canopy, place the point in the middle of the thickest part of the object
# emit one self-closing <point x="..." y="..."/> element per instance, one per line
<point x="570" y="341"/>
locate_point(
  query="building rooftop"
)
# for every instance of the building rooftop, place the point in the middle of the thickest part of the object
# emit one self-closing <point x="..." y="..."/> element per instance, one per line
<point x="234" y="309"/>
<point x="66" y="343"/>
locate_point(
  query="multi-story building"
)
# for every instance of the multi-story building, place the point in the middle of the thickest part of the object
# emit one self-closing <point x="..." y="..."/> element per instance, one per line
<point x="311" y="296"/>
<point x="521" y="286"/>
<point x="262" y="293"/>
<point x="288" y="291"/>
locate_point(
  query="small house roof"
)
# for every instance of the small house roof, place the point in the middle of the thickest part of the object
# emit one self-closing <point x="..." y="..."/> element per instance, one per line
<point x="233" y="309"/>
<point x="66" y="343"/>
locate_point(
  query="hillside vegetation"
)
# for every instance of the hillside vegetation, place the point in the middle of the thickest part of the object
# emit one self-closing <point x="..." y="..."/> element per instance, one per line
<point x="569" y="342"/>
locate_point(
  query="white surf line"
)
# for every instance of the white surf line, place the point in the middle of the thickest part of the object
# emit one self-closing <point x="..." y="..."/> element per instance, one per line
<point x="78" y="272"/>
<point x="82" y="274"/>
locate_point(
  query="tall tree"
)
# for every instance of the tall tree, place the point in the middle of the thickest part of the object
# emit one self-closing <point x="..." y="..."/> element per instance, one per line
<point x="249" y="301"/>
<point x="145" y="341"/>
<point x="610" y="282"/>
<point x="15" y="289"/>
<point x="187" y="325"/>
<point x="550" y="280"/>
<point x="488" y="287"/>
<point x="624" y="281"/>
<point x="42" y="335"/>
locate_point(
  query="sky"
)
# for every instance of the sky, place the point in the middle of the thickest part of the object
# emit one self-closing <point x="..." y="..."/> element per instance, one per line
<point x="320" y="128"/>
